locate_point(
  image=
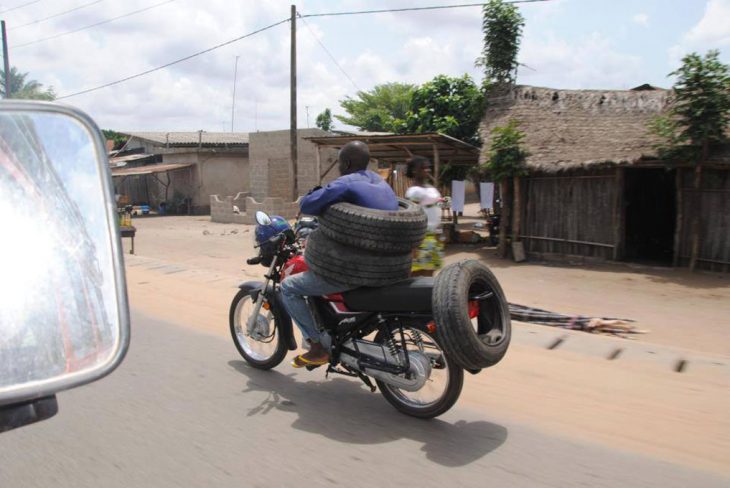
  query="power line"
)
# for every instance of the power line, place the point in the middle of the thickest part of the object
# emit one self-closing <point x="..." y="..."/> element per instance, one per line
<point x="38" y="21"/>
<point x="330" y="54"/>
<point x="191" y="56"/>
<point x="408" y="9"/>
<point x="129" y="14"/>
<point x="19" y="6"/>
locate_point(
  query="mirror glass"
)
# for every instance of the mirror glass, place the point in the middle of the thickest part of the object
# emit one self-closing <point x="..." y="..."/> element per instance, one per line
<point x="61" y="304"/>
<point x="262" y="218"/>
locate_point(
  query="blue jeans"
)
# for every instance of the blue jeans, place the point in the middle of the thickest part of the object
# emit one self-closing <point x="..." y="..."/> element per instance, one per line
<point x="307" y="284"/>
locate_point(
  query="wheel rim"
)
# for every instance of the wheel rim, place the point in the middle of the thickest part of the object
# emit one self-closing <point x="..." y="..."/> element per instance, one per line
<point x="255" y="349"/>
<point x="488" y="323"/>
<point x="437" y="385"/>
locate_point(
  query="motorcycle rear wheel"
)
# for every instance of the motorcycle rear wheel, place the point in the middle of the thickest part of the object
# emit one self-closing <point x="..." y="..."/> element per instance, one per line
<point x="445" y="382"/>
<point x="260" y="354"/>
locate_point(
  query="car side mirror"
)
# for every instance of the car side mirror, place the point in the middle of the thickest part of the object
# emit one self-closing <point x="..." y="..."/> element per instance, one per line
<point x="64" y="316"/>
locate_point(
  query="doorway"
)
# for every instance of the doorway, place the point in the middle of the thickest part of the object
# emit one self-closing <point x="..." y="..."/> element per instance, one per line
<point x="650" y="198"/>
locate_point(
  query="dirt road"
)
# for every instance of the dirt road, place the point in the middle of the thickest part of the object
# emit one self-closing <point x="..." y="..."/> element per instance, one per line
<point x="678" y="418"/>
<point x="184" y="411"/>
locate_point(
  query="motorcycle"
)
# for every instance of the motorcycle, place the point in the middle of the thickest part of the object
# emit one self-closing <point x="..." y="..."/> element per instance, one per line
<point x="385" y="334"/>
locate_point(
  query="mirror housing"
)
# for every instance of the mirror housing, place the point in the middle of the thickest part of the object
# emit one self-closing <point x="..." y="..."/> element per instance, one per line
<point x="64" y="316"/>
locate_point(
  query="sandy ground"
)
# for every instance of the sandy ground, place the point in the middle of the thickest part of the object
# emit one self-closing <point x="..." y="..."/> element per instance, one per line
<point x="679" y="308"/>
<point x="186" y="269"/>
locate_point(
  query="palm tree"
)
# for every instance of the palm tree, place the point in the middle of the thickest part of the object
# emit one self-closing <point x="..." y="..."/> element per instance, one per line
<point x="20" y="88"/>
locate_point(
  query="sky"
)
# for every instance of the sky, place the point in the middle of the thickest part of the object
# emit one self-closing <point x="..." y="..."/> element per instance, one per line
<point x="598" y="44"/>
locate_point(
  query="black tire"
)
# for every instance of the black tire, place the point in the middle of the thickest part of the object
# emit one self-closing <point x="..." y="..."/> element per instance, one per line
<point x="392" y="232"/>
<point x="455" y="375"/>
<point x="344" y="264"/>
<point x="471" y="348"/>
<point x="279" y="348"/>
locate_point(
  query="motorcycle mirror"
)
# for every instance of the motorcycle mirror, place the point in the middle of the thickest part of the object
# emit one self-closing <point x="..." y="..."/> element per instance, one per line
<point x="262" y="218"/>
<point x="64" y="317"/>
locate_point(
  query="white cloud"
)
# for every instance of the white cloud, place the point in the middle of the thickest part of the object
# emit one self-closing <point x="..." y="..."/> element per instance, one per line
<point x="591" y="63"/>
<point x="711" y="32"/>
<point x="641" y="19"/>
<point x="714" y="27"/>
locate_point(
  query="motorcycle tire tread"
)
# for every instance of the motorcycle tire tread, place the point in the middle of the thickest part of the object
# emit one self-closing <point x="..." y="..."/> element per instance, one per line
<point x="357" y="267"/>
<point x="454" y="327"/>
<point x="391" y="232"/>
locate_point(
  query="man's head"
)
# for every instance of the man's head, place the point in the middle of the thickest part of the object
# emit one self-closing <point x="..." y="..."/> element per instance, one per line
<point x="354" y="156"/>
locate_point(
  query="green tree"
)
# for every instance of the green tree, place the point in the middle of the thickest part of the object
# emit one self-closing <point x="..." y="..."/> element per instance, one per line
<point x="507" y="154"/>
<point x="502" y="26"/>
<point x="22" y="88"/>
<point x="699" y="114"/>
<point x="382" y="109"/>
<point x="324" y="120"/>
<point x="451" y="106"/>
<point x="119" y="139"/>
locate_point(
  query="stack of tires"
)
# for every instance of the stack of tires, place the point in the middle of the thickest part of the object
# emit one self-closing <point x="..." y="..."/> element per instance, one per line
<point x="366" y="247"/>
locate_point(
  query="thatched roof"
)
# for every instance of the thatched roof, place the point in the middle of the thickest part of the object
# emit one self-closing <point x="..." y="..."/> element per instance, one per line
<point x="569" y="129"/>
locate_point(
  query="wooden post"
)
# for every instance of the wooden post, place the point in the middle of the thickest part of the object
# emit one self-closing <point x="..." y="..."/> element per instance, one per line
<point x="504" y="218"/>
<point x="696" y="215"/>
<point x="679" y="218"/>
<point x="293" y="103"/>
<point x="6" y="61"/>
<point x="318" y="163"/>
<point x="436" y="166"/>
<point x="618" y="215"/>
<point x="517" y="207"/>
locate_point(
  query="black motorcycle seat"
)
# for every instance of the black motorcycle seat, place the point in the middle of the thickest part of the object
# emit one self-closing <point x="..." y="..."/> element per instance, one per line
<point x="411" y="295"/>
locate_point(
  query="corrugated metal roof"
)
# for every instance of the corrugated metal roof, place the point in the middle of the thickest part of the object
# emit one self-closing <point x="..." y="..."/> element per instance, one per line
<point x="130" y="157"/>
<point x="397" y="148"/>
<point x="193" y="138"/>
<point x="149" y="169"/>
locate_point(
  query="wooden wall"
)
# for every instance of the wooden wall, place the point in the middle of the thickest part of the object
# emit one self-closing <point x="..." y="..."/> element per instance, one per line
<point x="712" y="204"/>
<point x="570" y="214"/>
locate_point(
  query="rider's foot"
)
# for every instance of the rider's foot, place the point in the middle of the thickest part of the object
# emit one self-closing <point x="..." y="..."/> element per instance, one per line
<point x="316" y="356"/>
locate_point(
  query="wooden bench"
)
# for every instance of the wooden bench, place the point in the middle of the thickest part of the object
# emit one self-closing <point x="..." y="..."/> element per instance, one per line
<point x="128" y="231"/>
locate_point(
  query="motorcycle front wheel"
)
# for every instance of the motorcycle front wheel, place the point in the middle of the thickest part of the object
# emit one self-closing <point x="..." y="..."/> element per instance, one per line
<point x="441" y="390"/>
<point x="261" y="353"/>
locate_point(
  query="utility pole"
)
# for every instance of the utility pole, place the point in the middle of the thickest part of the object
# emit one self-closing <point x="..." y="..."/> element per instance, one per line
<point x="233" y="103"/>
<point x="6" y="60"/>
<point x="306" y="107"/>
<point x="293" y="103"/>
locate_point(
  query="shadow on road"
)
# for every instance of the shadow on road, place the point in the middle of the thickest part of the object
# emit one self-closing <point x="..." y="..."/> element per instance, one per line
<point x="344" y="411"/>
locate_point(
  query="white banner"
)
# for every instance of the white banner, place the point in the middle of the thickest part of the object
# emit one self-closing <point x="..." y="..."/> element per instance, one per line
<point x="486" y="195"/>
<point x="458" y="194"/>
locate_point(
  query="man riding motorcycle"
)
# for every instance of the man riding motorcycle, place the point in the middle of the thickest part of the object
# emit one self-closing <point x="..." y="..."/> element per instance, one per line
<point x="360" y="187"/>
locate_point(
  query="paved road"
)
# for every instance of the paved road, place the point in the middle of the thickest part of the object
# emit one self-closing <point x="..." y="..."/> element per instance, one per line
<point x="183" y="410"/>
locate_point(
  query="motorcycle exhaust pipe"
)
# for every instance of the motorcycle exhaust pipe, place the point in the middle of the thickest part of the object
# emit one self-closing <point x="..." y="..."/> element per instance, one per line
<point x="419" y="371"/>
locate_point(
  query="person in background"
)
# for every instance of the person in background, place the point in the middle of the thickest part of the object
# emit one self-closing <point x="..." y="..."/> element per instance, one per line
<point x="429" y="256"/>
<point x="358" y="186"/>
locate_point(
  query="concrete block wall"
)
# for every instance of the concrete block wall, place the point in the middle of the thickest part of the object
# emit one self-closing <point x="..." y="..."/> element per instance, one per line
<point x="271" y="167"/>
<point x="221" y="208"/>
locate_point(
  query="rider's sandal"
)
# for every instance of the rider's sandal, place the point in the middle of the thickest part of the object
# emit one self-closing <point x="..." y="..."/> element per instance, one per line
<point x="300" y="362"/>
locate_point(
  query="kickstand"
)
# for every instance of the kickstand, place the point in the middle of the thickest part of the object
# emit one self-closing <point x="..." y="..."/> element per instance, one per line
<point x="354" y="374"/>
<point x="367" y="381"/>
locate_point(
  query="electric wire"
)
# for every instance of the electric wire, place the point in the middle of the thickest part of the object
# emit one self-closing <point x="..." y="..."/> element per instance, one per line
<point x="180" y="60"/>
<point x="128" y="14"/>
<point x="410" y="9"/>
<point x="38" y="21"/>
<point x="19" y="6"/>
<point x="329" y="54"/>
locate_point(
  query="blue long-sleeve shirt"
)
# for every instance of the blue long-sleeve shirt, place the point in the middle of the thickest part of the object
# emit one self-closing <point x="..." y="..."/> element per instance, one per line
<point x="363" y="188"/>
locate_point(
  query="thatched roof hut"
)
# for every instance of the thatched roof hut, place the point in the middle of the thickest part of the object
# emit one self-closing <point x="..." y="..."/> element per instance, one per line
<point x="569" y="129"/>
<point x="595" y="187"/>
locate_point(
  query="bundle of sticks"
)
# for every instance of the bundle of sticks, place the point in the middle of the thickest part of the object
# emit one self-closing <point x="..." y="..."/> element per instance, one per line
<point x="598" y="325"/>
